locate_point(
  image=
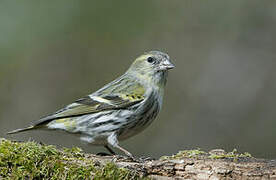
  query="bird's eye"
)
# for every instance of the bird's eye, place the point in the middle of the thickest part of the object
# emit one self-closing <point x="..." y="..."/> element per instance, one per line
<point x="150" y="59"/>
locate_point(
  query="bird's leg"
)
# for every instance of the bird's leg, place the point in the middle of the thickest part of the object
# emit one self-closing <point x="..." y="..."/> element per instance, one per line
<point x="113" y="141"/>
<point x="110" y="150"/>
<point x="124" y="150"/>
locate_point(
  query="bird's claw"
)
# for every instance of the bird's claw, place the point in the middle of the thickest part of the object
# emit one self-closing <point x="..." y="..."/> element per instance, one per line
<point x="119" y="158"/>
<point x="132" y="159"/>
<point x="144" y="159"/>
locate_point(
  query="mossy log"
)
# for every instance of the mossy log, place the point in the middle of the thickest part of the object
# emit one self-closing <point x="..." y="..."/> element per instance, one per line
<point x="30" y="160"/>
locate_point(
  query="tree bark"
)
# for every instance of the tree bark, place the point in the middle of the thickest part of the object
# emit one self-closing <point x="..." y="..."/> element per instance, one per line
<point x="199" y="167"/>
<point x="32" y="160"/>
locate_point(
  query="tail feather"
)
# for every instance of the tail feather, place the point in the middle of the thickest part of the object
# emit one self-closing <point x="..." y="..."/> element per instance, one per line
<point x="21" y="130"/>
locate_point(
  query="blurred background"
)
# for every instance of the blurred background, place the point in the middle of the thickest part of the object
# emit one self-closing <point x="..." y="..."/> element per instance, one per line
<point x="220" y="95"/>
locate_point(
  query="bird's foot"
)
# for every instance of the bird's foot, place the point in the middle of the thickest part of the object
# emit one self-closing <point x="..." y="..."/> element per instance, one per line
<point x="132" y="159"/>
<point x="144" y="159"/>
<point x="125" y="158"/>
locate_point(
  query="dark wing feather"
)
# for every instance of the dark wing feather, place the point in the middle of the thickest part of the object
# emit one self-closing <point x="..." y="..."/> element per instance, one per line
<point x="88" y="105"/>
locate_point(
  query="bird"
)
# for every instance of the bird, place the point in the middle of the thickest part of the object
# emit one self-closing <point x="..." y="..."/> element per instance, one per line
<point x="118" y="110"/>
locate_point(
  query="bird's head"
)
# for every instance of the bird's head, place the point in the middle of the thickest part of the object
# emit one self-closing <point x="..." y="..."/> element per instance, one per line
<point x="151" y="66"/>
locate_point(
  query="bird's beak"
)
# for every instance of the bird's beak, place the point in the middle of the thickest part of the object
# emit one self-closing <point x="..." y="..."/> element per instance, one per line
<point x="165" y="65"/>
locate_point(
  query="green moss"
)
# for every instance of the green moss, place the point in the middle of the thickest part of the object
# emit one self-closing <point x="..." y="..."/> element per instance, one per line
<point x="194" y="153"/>
<point x="30" y="160"/>
<point x="233" y="154"/>
<point x="215" y="154"/>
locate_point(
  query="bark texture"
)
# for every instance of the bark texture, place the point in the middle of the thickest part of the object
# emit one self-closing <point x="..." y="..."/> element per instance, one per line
<point x="204" y="166"/>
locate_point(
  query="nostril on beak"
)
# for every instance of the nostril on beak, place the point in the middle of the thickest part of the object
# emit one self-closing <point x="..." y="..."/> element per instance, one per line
<point x="170" y="66"/>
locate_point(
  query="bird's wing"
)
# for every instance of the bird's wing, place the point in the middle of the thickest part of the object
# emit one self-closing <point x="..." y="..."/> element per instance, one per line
<point x="88" y="105"/>
<point x="94" y="104"/>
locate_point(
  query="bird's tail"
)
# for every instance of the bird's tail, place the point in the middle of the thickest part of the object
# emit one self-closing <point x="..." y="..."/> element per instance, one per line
<point x="21" y="130"/>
